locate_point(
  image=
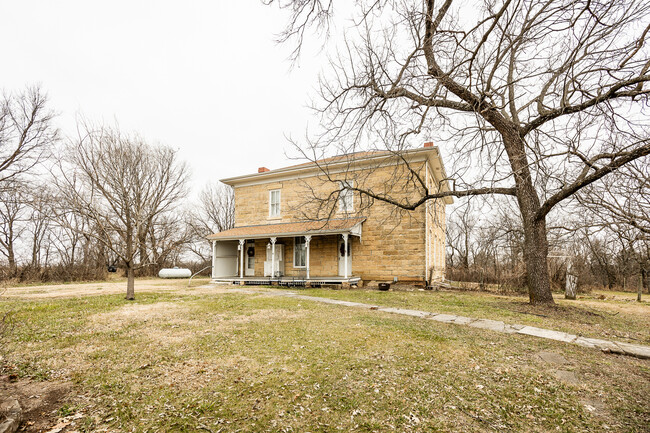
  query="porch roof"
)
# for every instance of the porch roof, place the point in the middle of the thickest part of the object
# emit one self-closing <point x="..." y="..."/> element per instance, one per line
<point x="300" y="228"/>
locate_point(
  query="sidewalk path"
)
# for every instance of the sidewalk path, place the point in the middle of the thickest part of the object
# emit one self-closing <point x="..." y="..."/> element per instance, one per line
<point x="635" y="350"/>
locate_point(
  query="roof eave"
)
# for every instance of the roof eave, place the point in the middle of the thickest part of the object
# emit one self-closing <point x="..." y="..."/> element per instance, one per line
<point x="233" y="181"/>
<point x="355" y="230"/>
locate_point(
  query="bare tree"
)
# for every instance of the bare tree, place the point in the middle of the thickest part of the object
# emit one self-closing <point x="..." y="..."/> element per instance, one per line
<point x="217" y="207"/>
<point x="621" y="207"/>
<point x="536" y="100"/>
<point x="460" y="228"/>
<point x="121" y="185"/>
<point x="38" y="223"/>
<point x="26" y="132"/>
<point x="215" y="213"/>
<point x="167" y="239"/>
<point x="13" y="207"/>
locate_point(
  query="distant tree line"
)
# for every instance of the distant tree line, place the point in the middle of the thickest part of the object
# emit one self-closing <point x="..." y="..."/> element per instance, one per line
<point x="603" y="239"/>
<point x="73" y="207"/>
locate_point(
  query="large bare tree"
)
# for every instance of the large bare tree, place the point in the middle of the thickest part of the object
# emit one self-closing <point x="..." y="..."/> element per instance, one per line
<point x="123" y="187"/>
<point x="530" y="99"/>
<point x="26" y="132"/>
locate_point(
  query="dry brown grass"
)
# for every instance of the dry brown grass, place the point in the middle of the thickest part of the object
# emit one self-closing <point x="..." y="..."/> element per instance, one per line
<point x="196" y="360"/>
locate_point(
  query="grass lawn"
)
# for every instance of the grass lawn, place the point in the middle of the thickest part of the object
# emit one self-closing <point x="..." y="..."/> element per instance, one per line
<point x="617" y="317"/>
<point x="184" y="360"/>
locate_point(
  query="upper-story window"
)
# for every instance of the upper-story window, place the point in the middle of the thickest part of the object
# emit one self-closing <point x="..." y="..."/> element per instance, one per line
<point x="274" y="203"/>
<point x="346" y="197"/>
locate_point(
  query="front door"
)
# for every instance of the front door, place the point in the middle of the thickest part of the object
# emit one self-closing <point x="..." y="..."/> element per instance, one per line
<point x="249" y="256"/>
<point x="341" y="251"/>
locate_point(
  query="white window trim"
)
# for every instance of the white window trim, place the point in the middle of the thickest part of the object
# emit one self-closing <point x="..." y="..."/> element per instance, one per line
<point x="279" y="214"/>
<point x="294" y="253"/>
<point x="344" y="193"/>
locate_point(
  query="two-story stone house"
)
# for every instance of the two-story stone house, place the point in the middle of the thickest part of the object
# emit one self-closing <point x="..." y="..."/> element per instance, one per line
<point x="304" y="224"/>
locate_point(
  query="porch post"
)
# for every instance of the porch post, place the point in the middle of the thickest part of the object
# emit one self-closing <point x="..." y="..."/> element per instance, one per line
<point x="345" y="255"/>
<point x="273" y="257"/>
<point x="307" y="242"/>
<point x="214" y="259"/>
<point x="241" y="255"/>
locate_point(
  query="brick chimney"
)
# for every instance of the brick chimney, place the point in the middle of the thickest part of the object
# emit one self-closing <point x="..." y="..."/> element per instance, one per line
<point x="262" y="169"/>
<point x="428" y="144"/>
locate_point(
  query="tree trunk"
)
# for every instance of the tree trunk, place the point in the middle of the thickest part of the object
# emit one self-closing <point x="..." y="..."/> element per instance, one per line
<point x="611" y="279"/>
<point x="36" y="248"/>
<point x="130" y="282"/>
<point x="535" y="258"/>
<point x="535" y="240"/>
<point x="11" y="258"/>
<point x="644" y="280"/>
<point x="130" y="275"/>
<point x="142" y="254"/>
<point x="466" y="256"/>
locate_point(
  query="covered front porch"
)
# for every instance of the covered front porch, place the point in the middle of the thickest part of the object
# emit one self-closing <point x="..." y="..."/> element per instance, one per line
<point x="290" y="281"/>
<point x="307" y="253"/>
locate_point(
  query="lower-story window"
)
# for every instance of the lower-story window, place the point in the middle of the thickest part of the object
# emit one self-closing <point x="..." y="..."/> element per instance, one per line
<point x="299" y="252"/>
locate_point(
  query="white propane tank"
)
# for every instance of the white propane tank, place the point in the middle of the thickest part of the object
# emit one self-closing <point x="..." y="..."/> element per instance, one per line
<point x="175" y="273"/>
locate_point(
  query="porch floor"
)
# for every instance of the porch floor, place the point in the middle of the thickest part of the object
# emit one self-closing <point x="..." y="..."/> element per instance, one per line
<point x="288" y="281"/>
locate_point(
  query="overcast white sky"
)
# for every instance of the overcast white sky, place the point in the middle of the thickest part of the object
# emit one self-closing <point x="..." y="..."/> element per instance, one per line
<point x="205" y="77"/>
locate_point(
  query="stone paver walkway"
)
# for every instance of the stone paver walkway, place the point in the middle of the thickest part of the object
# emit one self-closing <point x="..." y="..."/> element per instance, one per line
<point x="635" y="350"/>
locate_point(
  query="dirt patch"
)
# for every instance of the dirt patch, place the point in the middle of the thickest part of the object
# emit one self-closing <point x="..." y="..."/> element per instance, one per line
<point x="194" y="374"/>
<point x="555" y="311"/>
<point x="40" y="401"/>
<point x="627" y="306"/>
<point x="264" y="316"/>
<point x="47" y="291"/>
<point x="162" y="322"/>
<point x="137" y="313"/>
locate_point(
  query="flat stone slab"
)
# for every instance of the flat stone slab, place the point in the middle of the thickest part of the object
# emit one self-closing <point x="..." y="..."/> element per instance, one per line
<point x="492" y="325"/>
<point x="13" y="412"/>
<point x="331" y="301"/>
<point x="552" y="358"/>
<point x="591" y="343"/>
<point x="403" y="311"/>
<point x="548" y="334"/>
<point x="444" y="318"/>
<point x="462" y="320"/>
<point x="635" y="350"/>
<point x="566" y="376"/>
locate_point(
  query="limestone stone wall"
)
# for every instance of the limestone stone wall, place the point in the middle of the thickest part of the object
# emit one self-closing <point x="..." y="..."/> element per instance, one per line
<point x="393" y="243"/>
<point x="323" y="257"/>
<point x="436" y="223"/>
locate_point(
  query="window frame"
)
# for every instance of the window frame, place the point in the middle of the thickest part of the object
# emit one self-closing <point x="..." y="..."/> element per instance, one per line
<point x="346" y="196"/>
<point x="279" y="203"/>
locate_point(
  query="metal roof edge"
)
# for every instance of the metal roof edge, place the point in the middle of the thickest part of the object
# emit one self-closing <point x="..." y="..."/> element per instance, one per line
<point x="232" y="181"/>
